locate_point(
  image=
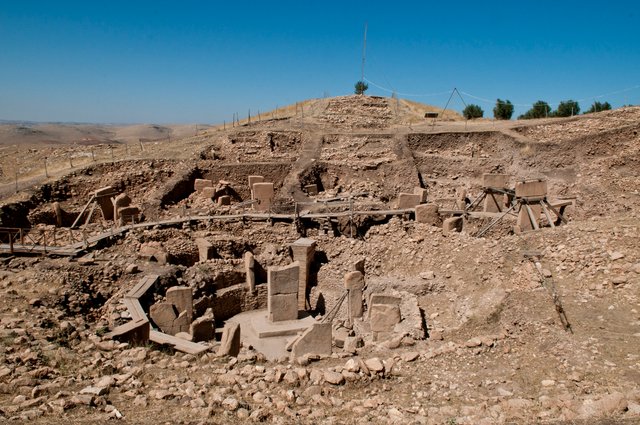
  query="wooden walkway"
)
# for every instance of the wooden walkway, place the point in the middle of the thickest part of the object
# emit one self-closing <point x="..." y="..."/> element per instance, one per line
<point x="76" y="248"/>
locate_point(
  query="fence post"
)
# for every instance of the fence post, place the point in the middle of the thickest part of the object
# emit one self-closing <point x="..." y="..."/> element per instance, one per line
<point x="46" y="172"/>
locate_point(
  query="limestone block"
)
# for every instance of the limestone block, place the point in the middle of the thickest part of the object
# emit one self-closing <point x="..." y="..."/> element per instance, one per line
<point x="200" y="184"/>
<point x="354" y="280"/>
<point x="311" y="189"/>
<point x="452" y="224"/>
<point x="408" y="200"/>
<point x="120" y="201"/>
<point x="104" y="201"/>
<point x="315" y="340"/>
<point x="249" y="268"/>
<point x="153" y="251"/>
<point x="378" y="298"/>
<point x="163" y="315"/>
<point x="422" y="192"/>
<point x="524" y="222"/>
<point x="282" y="307"/>
<point x="182" y="298"/>
<point x="230" y="343"/>
<point x="202" y="329"/>
<point x="428" y="214"/>
<point x="384" y="317"/>
<point x="303" y="251"/>
<point x="206" y="250"/>
<point x="498" y="181"/>
<point x="253" y="180"/>
<point x="283" y="279"/>
<point x="263" y="193"/>
<point x="181" y="324"/>
<point x="128" y="214"/>
<point x="531" y="189"/>
<point x="224" y="200"/>
<point x="208" y="192"/>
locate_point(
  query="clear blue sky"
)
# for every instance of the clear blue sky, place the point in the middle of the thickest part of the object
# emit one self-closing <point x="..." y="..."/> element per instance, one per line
<point x="201" y="61"/>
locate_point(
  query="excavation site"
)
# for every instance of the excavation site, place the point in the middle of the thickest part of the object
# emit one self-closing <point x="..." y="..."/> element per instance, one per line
<point x="344" y="261"/>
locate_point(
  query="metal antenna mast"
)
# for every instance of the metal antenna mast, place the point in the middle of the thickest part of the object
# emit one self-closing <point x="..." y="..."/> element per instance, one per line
<point x="364" y="51"/>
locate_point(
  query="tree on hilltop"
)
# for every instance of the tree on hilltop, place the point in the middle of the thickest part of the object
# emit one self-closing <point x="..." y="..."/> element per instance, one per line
<point x="472" y="111"/>
<point x="598" y="107"/>
<point x="540" y="109"/>
<point x="567" y="108"/>
<point x="503" y="110"/>
<point x="361" y="87"/>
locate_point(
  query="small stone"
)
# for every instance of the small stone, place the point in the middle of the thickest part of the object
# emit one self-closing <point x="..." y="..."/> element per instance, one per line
<point x="334" y="378"/>
<point x="616" y="256"/>
<point x="619" y="280"/>
<point x="374" y="365"/>
<point x="473" y="342"/>
<point x="548" y="383"/>
<point x="230" y="404"/>
<point x="132" y="268"/>
<point x="409" y="356"/>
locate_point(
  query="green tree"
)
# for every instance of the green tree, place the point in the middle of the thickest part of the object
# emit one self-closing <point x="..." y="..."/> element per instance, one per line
<point x="361" y="87"/>
<point x="472" y="111"/>
<point x="503" y="110"/>
<point x="598" y="106"/>
<point x="540" y="109"/>
<point x="567" y="108"/>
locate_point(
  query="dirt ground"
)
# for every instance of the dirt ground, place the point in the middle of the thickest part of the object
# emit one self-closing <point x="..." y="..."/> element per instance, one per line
<point x="491" y="347"/>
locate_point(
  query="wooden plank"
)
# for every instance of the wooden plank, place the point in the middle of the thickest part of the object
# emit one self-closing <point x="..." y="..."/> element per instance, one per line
<point x="142" y="286"/>
<point x="134" y="308"/>
<point x="177" y="343"/>
<point x="75" y="223"/>
<point x="532" y="217"/>
<point x="546" y="214"/>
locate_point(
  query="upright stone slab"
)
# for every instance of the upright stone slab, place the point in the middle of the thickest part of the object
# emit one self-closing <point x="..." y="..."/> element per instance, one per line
<point x="206" y="250"/>
<point x="303" y="251"/>
<point x="384" y="315"/>
<point x="422" y="192"/>
<point x="130" y="214"/>
<point x="263" y="193"/>
<point x="282" y="292"/>
<point x="224" y="200"/>
<point x="163" y="315"/>
<point x="200" y="184"/>
<point x="358" y="266"/>
<point x="428" y="214"/>
<point x="250" y="270"/>
<point x="230" y="343"/>
<point x="182" y="298"/>
<point x="202" y="329"/>
<point x="354" y="283"/>
<point x="311" y="189"/>
<point x="315" y="340"/>
<point x="103" y="198"/>
<point x="494" y="202"/>
<point x="207" y="192"/>
<point x="408" y="200"/>
<point x="452" y="224"/>
<point x="120" y="201"/>
<point x="524" y="222"/>
<point x="253" y="180"/>
<point x="531" y="189"/>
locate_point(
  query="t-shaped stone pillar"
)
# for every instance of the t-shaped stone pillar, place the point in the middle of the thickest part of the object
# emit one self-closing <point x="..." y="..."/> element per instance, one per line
<point x="303" y="251"/>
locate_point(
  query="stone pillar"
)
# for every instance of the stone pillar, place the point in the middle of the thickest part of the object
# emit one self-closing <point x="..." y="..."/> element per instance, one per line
<point x="422" y="192"/>
<point x="182" y="298"/>
<point x="282" y="292"/>
<point x="452" y="224"/>
<point x="493" y="202"/>
<point x="104" y="201"/>
<point x="200" y="184"/>
<point x="428" y="214"/>
<point x="408" y="200"/>
<point x="205" y="249"/>
<point x="354" y="283"/>
<point x="120" y="201"/>
<point x="303" y="251"/>
<point x="263" y="193"/>
<point x="250" y="269"/>
<point x="253" y="180"/>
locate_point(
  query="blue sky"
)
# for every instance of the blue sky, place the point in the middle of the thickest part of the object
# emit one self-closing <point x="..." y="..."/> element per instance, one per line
<point x="201" y="61"/>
